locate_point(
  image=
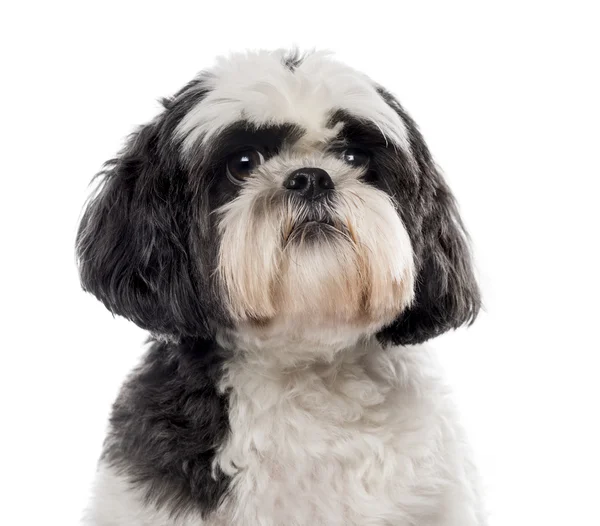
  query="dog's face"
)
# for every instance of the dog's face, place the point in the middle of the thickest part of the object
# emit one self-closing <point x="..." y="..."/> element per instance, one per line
<point x="279" y="193"/>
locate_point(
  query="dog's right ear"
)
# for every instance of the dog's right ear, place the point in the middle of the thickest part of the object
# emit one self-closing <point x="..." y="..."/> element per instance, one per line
<point x="447" y="295"/>
<point x="133" y="245"/>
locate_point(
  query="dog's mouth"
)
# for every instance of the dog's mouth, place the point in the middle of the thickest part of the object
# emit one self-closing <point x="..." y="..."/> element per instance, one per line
<point x="312" y="229"/>
<point x="316" y="223"/>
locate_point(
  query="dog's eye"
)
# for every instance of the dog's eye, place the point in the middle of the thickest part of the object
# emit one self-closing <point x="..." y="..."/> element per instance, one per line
<point x="241" y="164"/>
<point x="355" y="157"/>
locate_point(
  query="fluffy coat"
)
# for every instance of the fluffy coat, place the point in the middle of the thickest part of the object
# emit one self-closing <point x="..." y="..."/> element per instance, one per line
<point x="286" y="382"/>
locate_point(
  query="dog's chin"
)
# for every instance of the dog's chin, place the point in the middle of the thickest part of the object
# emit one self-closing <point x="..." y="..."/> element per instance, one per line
<point x="327" y="292"/>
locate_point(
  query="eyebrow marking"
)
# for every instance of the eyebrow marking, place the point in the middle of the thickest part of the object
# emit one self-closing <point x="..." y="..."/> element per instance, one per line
<point x="270" y="139"/>
<point x="357" y="129"/>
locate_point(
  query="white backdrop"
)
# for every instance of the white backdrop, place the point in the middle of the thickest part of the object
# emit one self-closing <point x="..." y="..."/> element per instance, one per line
<point x="507" y="94"/>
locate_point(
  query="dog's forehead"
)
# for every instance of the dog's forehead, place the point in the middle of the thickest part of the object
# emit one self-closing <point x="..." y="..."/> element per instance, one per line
<point x="265" y="88"/>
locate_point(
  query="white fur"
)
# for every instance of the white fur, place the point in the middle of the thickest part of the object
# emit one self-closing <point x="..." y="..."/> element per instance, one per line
<point x="258" y="88"/>
<point x="368" y="438"/>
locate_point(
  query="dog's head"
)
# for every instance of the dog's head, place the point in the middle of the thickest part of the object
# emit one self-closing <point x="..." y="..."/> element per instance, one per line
<point x="278" y="191"/>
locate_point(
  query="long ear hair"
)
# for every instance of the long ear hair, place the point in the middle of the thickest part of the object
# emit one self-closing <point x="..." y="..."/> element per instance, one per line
<point x="446" y="294"/>
<point x="133" y="244"/>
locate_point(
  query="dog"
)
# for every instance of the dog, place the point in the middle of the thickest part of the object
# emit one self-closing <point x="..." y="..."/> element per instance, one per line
<point x="283" y="233"/>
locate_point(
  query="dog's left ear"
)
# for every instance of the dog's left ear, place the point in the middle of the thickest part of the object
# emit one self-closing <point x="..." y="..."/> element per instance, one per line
<point x="133" y="243"/>
<point x="446" y="291"/>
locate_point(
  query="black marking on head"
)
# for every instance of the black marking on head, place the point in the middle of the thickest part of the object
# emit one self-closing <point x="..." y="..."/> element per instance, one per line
<point x="293" y="59"/>
<point x="187" y="97"/>
<point x="363" y="134"/>
<point x="167" y="425"/>
<point x="356" y="130"/>
<point x="268" y="139"/>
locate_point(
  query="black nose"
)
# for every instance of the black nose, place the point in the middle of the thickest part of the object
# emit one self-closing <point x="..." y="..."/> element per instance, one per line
<point x="309" y="182"/>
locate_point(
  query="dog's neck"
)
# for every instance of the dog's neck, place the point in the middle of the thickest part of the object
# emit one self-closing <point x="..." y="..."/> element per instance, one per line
<point x="277" y="349"/>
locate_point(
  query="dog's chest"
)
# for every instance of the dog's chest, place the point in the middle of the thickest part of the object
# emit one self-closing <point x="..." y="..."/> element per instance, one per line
<point x="330" y="446"/>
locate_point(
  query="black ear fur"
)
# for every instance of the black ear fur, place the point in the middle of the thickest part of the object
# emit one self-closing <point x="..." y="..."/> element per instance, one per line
<point x="133" y="241"/>
<point x="446" y="294"/>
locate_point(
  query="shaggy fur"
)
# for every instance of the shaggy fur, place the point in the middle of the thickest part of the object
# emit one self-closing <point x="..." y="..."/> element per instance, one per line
<point x="283" y="386"/>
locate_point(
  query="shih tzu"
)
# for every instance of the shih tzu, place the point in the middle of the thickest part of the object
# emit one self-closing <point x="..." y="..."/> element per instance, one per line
<point x="283" y="233"/>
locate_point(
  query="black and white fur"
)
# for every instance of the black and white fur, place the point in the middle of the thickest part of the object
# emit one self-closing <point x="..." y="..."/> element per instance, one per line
<point x="284" y="384"/>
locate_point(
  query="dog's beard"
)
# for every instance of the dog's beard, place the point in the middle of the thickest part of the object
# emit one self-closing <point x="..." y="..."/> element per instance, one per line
<point x="346" y="263"/>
